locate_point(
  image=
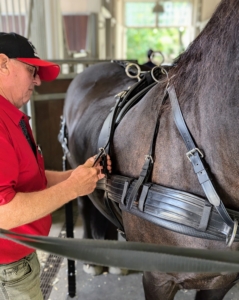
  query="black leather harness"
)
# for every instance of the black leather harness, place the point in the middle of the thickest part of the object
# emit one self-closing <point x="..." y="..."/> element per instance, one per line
<point x="172" y="209"/>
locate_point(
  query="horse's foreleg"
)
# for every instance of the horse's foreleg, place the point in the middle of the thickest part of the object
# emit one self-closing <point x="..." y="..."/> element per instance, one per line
<point x="156" y="287"/>
<point x="217" y="294"/>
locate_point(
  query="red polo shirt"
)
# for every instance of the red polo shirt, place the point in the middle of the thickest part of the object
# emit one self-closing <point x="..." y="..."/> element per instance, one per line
<point x="20" y="171"/>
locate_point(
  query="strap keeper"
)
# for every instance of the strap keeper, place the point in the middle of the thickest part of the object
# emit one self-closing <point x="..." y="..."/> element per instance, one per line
<point x="143" y="196"/>
<point x="205" y="216"/>
<point x="126" y="186"/>
<point x="233" y="235"/>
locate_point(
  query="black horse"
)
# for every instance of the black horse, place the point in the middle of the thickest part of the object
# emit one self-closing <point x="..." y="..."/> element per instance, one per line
<point x="205" y="78"/>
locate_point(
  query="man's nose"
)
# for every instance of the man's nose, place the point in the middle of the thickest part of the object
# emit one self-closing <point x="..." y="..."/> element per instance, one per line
<point x="37" y="80"/>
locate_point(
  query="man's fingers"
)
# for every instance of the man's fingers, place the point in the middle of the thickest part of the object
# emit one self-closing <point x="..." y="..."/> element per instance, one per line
<point x="89" y="163"/>
<point x="101" y="176"/>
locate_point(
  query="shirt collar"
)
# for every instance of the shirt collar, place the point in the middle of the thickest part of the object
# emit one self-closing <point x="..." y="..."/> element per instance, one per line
<point x="14" y="113"/>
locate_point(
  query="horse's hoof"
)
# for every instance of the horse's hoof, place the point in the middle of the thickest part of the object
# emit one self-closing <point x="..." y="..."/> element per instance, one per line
<point x="92" y="269"/>
<point x="118" y="271"/>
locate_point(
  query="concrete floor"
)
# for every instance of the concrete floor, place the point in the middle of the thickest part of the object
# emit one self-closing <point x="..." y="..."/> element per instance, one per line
<point x="105" y="286"/>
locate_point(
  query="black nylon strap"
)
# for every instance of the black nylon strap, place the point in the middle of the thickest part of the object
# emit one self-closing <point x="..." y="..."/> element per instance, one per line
<point x="196" y="160"/>
<point x="132" y="255"/>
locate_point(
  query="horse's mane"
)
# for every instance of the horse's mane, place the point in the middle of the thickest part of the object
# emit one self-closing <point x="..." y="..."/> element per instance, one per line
<point x="211" y="60"/>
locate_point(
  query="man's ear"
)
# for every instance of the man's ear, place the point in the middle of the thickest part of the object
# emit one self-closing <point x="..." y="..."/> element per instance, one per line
<point x="4" y="61"/>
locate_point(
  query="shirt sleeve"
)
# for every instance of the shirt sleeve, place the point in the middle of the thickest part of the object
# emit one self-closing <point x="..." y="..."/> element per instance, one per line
<point x="9" y="167"/>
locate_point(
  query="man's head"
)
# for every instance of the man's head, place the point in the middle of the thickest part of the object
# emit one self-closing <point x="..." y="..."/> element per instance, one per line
<point x="18" y="47"/>
<point x="21" y="68"/>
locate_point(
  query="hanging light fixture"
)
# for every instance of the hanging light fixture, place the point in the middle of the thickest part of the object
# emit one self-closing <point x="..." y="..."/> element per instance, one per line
<point x="158" y="8"/>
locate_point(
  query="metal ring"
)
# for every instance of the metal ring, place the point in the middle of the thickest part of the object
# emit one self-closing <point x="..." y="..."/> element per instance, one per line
<point x="128" y="68"/>
<point x="163" y="71"/>
<point x="152" y="56"/>
<point x="234" y="231"/>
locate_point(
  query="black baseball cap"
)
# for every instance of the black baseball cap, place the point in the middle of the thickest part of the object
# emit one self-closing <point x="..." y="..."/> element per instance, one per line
<point x="20" y="48"/>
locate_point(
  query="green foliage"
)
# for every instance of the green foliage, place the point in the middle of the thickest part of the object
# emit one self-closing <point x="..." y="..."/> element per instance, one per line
<point x="166" y="40"/>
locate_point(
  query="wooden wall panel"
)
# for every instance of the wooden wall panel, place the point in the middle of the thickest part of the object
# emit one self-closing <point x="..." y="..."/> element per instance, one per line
<point x="47" y="122"/>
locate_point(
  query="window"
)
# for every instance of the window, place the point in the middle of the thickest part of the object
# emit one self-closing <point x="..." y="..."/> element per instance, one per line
<point x="168" y="31"/>
<point x="140" y="14"/>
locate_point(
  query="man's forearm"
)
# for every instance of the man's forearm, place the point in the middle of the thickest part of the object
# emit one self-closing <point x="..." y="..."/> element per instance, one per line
<point x="28" y="207"/>
<point x="25" y="208"/>
<point x="54" y="177"/>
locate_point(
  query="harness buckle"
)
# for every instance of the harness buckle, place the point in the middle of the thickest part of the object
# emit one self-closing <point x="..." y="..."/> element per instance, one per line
<point x="191" y="153"/>
<point x="99" y="155"/>
<point x="234" y="231"/>
<point x="149" y="157"/>
<point x="121" y="95"/>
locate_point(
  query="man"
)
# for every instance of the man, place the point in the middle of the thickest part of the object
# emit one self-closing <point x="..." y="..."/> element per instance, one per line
<point x="28" y="193"/>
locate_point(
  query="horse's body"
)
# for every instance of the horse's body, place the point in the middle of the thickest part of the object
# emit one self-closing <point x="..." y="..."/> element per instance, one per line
<point x="206" y="83"/>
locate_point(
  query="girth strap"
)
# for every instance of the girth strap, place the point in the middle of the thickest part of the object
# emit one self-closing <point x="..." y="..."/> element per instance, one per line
<point x="172" y="209"/>
<point x="195" y="157"/>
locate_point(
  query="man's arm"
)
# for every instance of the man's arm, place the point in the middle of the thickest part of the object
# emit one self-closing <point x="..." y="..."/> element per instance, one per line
<point x="54" y="177"/>
<point x="28" y="207"/>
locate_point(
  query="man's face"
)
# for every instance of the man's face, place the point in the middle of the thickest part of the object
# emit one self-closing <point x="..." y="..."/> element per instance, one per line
<point x="24" y="78"/>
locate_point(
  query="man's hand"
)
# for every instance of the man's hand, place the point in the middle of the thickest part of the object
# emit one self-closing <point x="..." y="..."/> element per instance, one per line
<point x="83" y="179"/>
<point x="108" y="162"/>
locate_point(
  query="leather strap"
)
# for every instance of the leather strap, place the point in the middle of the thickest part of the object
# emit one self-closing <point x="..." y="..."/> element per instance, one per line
<point x="197" y="162"/>
<point x="125" y="101"/>
<point x="172" y="209"/>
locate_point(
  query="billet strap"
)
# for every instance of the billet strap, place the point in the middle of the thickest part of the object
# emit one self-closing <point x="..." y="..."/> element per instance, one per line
<point x="172" y="209"/>
<point x="132" y="255"/>
<point x="195" y="157"/>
